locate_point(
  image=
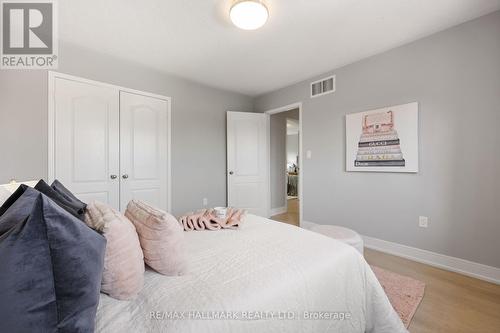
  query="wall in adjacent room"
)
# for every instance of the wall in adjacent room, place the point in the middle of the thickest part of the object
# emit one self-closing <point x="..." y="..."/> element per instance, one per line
<point x="277" y="145"/>
<point x="455" y="77"/>
<point x="198" y="122"/>
<point x="292" y="148"/>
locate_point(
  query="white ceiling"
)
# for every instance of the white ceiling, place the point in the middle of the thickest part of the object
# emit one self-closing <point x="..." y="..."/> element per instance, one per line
<point x="195" y="39"/>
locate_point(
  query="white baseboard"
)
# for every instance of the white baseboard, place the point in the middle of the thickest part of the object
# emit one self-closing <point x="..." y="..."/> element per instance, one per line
<point x="462" y="266"/>
<point x="279" y="210"/>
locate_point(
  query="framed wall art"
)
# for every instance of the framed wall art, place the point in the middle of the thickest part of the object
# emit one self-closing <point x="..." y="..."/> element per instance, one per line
<point x="383" y="140"/>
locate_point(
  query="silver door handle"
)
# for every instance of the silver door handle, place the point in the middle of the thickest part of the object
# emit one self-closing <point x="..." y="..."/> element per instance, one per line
<point x="230" y="172"/>
<point x="113" y="176"/>
<point x="125" y="176"/>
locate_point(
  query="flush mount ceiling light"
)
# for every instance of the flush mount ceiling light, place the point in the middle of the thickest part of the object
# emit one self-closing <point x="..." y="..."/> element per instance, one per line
<point x="249" y="14"/>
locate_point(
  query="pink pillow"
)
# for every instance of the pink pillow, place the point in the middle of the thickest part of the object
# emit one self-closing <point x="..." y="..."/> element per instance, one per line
<point x="123" y="275"/>
<point x="161" y="237"/>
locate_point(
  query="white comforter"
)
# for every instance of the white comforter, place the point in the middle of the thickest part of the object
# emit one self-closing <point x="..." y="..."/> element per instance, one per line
<point x="264" y="277"/>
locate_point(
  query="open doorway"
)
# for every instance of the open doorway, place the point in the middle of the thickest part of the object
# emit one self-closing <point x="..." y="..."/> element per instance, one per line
<point x="285" y="164"/>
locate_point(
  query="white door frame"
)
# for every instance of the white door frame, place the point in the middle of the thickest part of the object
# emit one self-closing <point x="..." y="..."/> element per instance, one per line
<point x="52" y="76"/>
<point x="289" y="107"/>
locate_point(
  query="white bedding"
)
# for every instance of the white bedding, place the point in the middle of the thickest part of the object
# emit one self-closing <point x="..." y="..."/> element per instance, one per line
<point x="273" y="273"/>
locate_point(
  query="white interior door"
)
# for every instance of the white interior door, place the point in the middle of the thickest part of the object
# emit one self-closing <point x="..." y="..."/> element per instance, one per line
<point x="86" y="140"/>
<point x="247" y="162"/>
<point x="143" y="149"/>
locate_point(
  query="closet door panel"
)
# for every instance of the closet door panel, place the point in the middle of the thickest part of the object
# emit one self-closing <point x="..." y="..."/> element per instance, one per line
<point x="90" y="127"/>
<point x="145" y="143"/>
<point x="86" y="143"/>
<point x="143" y="149"/>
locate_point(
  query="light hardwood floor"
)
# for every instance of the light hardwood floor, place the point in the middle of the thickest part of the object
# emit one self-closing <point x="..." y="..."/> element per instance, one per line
<point x="453" y="303"/>
<point x="292" y="214"/>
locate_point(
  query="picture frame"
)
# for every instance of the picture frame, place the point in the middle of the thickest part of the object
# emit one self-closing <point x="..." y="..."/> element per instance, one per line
<point x="383" y="140"/>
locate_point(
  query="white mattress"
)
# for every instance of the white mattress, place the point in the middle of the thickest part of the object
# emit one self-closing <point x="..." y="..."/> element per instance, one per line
<point x="271" y="272"/>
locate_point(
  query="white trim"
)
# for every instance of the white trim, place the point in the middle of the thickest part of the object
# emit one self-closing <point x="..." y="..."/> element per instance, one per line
<point x="321" y="80"/>
<point x="285" y="190"/>
<point x="51" y="128"/>
<point x="169" y="154"/>
<point x="52" y="75"/>
<point x="278" y="210"/>
<point x="297" y="105"/>
<point x="457" y="265"/>
<point x="268" y="169"/>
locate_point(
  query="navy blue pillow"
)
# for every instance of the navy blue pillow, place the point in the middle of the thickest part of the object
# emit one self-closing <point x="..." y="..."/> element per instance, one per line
<point x="75" y="202"/>
<point x="70" y="207"/>
<point x="51" y="268"/>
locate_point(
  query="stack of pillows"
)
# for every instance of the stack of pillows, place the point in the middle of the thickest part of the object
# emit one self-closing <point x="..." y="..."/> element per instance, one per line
<point x="57" y="253"/>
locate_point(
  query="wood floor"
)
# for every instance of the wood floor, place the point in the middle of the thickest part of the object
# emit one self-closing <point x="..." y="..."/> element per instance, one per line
<point x="292" y="214"/>
<point x="453" y="303"/>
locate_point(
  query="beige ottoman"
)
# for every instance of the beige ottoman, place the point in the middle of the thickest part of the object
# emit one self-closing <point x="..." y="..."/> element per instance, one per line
<point x="342" y="234"/>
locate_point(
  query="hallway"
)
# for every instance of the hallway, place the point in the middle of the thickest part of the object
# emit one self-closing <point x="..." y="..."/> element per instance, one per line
<point x="292" y="214"/>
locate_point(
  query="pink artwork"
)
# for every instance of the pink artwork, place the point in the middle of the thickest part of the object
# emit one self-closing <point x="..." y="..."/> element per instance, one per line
<point x="379" y="144"/>
<point x="383" y="140"/>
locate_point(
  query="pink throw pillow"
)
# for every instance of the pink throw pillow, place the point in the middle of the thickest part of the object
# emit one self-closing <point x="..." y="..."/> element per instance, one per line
<point x="123" y="275"/>
<point x="161" y="238"/>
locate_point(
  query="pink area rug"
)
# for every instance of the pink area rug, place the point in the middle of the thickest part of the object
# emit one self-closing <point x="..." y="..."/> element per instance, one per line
<point x="404" y="293"/>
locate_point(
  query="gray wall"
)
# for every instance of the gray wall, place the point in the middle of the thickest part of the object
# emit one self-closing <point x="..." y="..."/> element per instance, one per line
<point x="198" y="118"/>
<point x="455" y="76"/>
<point x="23" y="125"/>
<point x="277" y="143"/>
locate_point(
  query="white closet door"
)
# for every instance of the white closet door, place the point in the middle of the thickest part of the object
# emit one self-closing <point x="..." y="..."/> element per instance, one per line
<point x="143" y="149"/>
<point x="86" y="141"/>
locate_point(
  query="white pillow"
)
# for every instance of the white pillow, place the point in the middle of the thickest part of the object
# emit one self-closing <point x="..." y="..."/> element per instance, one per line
<point x="6" y="190"/>
<point x="4" y="194"/>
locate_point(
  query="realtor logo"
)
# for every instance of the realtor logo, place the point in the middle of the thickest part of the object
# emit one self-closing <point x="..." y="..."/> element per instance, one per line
<point x="29" y="39"/>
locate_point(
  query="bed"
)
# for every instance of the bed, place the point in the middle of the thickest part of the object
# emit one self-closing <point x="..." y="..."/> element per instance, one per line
<point x="265" y="277"/>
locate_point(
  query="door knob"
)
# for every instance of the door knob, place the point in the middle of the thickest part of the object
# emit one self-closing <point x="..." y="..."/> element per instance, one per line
<point x="125" y="176"/>
<point x="112" y="176"/>
<point x="230" y="172"/>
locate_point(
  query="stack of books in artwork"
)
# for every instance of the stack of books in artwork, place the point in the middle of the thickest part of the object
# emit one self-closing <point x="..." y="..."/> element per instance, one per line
<point x="379" y="144"/>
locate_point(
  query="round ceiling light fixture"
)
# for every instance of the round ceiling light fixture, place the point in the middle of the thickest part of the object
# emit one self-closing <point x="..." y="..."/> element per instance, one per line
<point x="249" y="14"/>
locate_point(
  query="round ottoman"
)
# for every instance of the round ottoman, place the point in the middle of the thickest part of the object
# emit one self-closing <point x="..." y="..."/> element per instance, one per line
<point x="307" y="225"/>
<point x="342" y="234"/>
